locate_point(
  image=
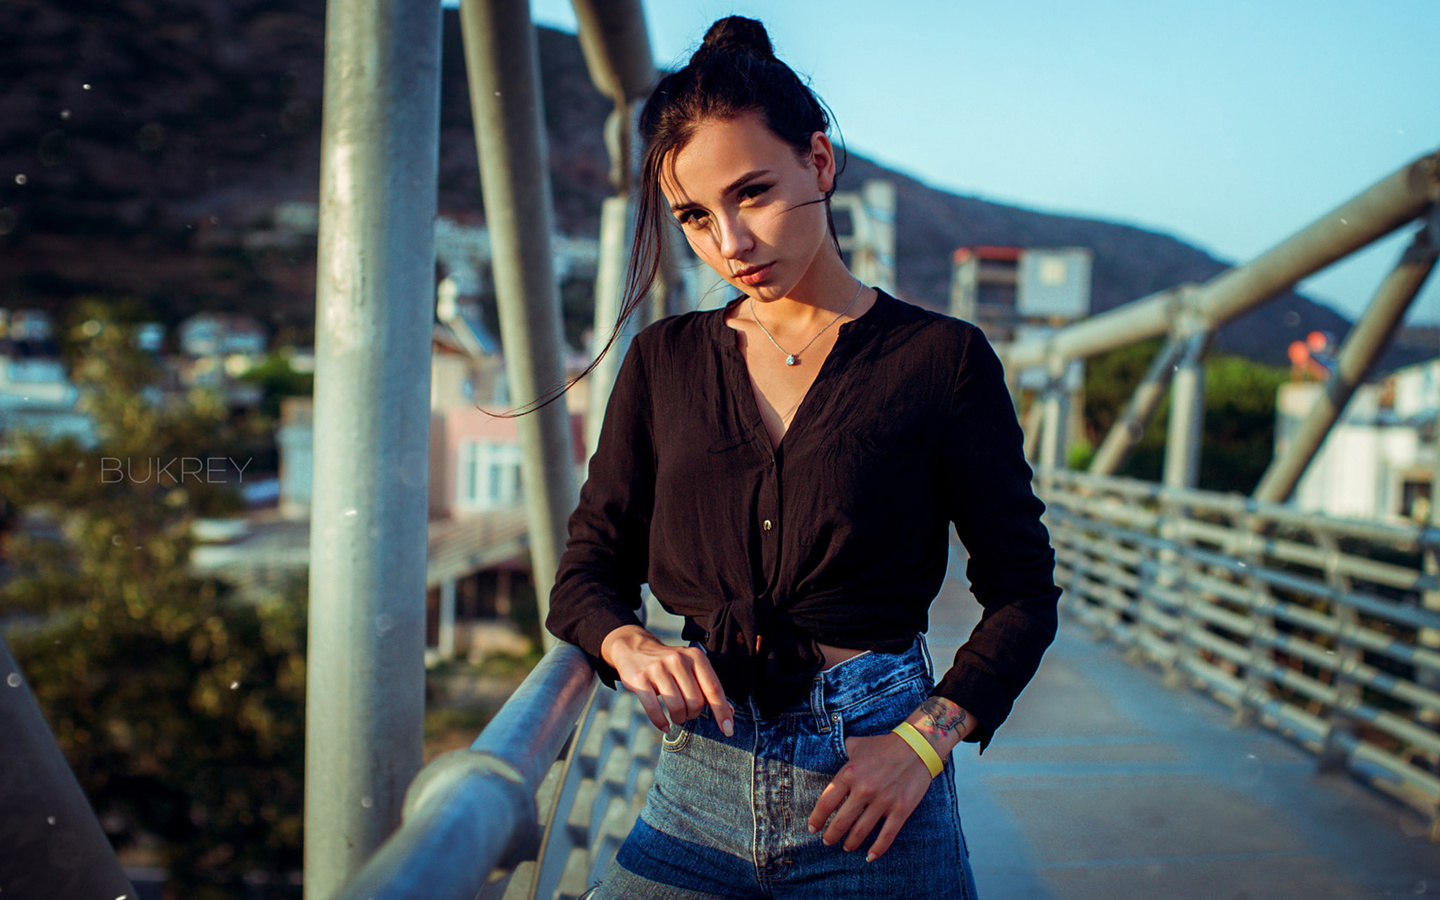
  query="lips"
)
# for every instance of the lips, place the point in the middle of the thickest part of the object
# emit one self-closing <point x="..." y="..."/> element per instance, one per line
<point x="754" y="275"/>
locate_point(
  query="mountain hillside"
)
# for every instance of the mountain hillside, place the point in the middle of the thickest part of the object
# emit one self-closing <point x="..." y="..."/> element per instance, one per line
<point x="141" y="141"/>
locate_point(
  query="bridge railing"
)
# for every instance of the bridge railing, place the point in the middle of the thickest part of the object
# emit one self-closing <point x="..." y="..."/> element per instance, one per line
<point x="1322" y="629"/>
<point x="536" y="807"/>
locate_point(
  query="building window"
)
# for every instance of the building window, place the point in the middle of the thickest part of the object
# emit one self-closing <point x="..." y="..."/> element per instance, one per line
<point x="1415" y="501"/>
<point x="489" y="475"/>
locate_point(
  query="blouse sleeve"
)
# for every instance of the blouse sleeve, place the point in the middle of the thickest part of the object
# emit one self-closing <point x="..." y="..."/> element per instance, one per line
<point x="597" y="587"/>
<point x="1011" y="567"/>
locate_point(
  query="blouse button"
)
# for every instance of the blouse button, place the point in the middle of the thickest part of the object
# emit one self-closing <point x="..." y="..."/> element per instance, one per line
<point x="766" y="525"/>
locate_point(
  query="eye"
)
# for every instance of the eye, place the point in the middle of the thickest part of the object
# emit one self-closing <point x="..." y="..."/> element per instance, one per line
<point x="751" y="191"/>
<point x="692" y="218"/>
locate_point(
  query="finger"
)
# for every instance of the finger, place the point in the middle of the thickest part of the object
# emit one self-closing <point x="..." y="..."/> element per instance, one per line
<point x="844" y="818"/>
<point x="886" y="837"/>
<point x="715" y="695"/>
<point x="830" y="800"/>
<point x="862" y="827"/>
<point x="669" y="694"/>
<point x="692" y="697"/>
<point x="651" y="705"/>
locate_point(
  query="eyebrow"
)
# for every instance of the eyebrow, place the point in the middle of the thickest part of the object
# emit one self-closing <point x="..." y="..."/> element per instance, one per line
<point x="730" y="188"/>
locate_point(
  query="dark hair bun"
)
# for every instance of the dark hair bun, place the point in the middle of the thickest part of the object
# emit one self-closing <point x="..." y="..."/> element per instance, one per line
<point x="736" y="34"/>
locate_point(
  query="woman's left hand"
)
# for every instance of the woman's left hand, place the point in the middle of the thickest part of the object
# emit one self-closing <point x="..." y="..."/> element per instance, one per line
<point x="884" y="779"/>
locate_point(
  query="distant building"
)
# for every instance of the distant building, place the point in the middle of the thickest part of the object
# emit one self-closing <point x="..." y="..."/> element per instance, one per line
<point x="36" y="394"/>
<point x="463" y="251"/>
<point x="865" y="229"/>
<point x="1378" y="462"/>
<point x="217" y="334"/>
<point x="1011" y="291"/>
<point x="215" y="350"/>
<point x="294" y="441"/>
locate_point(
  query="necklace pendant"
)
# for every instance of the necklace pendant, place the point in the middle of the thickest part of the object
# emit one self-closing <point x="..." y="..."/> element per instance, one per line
<point x="790" y="360"/>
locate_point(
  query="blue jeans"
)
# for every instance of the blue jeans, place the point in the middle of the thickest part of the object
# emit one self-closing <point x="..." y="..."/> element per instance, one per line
<point x="727" y="816"/>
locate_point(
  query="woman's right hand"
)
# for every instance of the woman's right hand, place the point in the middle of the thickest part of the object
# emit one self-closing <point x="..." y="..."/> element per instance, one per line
<point x="680" y="678"/>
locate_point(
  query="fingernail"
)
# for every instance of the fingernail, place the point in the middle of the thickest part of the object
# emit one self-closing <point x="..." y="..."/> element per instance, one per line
<point x="728" y="727"/>
<point x="812" y="828"/>
<point x="869" y="857"/>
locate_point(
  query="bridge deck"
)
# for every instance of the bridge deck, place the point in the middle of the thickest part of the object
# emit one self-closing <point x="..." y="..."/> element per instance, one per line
<point x="1105" y="784"/>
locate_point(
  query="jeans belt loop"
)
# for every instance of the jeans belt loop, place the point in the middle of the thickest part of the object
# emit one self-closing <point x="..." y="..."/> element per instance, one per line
<point x="817" y="704"/>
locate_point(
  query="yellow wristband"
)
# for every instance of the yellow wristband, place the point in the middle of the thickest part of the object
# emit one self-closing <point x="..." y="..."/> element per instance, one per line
<point x="922" y="747"/>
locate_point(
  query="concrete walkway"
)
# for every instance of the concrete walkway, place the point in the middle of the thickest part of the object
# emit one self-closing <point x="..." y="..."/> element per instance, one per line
<point x="1106" y="785"/>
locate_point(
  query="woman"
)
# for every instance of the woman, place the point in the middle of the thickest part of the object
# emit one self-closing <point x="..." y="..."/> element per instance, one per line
<point x="783" y="473"/>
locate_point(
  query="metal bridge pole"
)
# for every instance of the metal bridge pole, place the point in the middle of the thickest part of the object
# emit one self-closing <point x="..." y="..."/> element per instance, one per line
<point x="617" y="53"/>
<point x="53" y="845"/>
<point x="1181" y="469"/>
<point x="1055" y="428"/>
<point x="615" y="224"/>
<point x="505" y="100"/>
<point x="1032" y="424"/>
<point x="1130" y="427"/>
<point x="616" y="45"/>
<point x="1187" y="415"/>
<point x="1358" y="354"/>
<point x="374" y="315"/>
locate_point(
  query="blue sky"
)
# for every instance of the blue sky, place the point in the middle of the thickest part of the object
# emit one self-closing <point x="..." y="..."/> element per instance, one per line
<point x="1227" y="124"/>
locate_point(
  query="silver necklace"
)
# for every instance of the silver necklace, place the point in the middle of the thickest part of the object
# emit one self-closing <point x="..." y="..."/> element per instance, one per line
<point x="793" y="359"/>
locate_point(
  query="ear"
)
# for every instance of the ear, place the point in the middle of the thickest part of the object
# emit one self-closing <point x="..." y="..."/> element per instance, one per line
<point x="822" y="155"/>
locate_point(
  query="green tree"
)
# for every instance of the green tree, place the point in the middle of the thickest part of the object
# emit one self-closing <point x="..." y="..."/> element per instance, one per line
<point x="1239" y="430"/>
<point x="179" y="707"/>
<point x="278" y="380"/>
<point x="1240" y="402"/>
<point x="1110" y="379"/>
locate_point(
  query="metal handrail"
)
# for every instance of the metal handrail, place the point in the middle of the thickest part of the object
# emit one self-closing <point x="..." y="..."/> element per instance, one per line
<point x="1282" y="615"/>
<point x="473" y="811"/>
<point x="511" y="817"/>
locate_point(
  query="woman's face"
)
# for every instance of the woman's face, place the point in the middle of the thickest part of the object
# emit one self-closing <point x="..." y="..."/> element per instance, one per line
<point x="750" y="207"/>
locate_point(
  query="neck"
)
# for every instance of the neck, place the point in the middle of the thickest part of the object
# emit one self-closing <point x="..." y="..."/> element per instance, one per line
<point x="827" y="290"/>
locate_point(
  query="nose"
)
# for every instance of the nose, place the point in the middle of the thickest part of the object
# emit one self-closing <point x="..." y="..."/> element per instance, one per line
<point x="735" y="238"/>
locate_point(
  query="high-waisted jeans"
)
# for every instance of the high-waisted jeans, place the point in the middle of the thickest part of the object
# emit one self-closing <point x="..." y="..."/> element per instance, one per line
<point x="727" y="816"/>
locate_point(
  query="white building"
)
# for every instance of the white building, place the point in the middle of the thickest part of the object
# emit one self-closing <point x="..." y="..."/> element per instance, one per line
<point x="1378" y="462"/>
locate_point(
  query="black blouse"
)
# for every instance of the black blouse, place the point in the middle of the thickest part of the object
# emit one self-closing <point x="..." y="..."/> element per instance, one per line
<point x="840" y="535"/>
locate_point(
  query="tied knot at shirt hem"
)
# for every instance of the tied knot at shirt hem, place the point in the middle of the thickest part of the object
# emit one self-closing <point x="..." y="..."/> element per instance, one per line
<point x="756" y="653"/>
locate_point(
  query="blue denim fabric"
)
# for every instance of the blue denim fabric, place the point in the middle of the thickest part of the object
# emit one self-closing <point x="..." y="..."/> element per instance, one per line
<point x="726" y="817"/>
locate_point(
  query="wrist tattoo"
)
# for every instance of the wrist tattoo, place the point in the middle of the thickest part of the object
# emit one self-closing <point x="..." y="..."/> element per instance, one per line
<point x="941" y="717"/>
